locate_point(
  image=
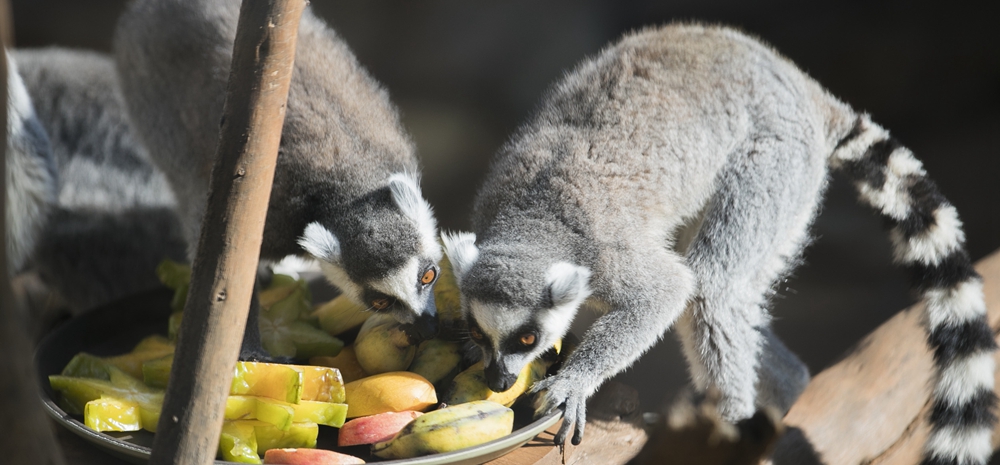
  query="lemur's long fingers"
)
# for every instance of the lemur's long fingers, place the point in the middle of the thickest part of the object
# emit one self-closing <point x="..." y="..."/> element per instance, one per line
<point x="568" y="421"/>
<point x="581" y="421"/>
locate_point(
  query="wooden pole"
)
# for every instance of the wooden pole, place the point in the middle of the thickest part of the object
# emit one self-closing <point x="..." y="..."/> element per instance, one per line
<point x="872" y="406"/>
<point x="28" y="437"/>
<point x="226" y="262"/>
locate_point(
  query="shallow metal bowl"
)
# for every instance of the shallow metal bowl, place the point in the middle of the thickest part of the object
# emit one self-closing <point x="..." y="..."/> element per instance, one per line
<point x="118" y="327"/>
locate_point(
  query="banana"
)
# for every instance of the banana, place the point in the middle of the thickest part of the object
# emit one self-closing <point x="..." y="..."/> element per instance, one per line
<point x="447" y="297"/>
<point x="448" y="429"/>
<point x="436" y="359"/>
<point x="383" y="346"/>
<point x="470" y="385"/>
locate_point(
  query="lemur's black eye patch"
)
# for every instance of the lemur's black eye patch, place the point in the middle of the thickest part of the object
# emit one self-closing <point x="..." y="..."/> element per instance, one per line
<point x="475" y="332"/>
<point x="378" y="301"/>
<point x="523" y="339"/>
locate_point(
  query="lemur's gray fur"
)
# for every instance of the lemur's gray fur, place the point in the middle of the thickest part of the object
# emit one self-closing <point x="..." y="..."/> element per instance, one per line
<point x="113" y="215"/>
<point x="31" y="173"/>
<point x="345" y="186"/>
<point x="585" y="199"/>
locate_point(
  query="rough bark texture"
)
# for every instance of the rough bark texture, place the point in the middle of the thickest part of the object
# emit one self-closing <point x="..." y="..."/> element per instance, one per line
<point x="226" y="262"/>
<point x="871" y="407"/>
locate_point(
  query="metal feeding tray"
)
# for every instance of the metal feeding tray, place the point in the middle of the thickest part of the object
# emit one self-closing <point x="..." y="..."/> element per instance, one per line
<point x="118" y="327"/>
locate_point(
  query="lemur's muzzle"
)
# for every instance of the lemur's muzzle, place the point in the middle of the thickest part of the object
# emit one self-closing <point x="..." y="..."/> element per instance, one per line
<point x="426" y="325"/>
<point x="498" y="377"/>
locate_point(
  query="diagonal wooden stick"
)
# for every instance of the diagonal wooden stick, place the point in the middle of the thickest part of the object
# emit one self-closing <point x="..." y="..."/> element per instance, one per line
<point x="226" y="262"/>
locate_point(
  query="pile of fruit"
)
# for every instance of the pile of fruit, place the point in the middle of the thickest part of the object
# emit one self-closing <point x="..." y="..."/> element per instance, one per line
<point x="376" y="390"/>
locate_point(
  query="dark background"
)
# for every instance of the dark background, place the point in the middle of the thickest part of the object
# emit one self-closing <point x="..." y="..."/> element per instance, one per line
<point x="465" y="74"/>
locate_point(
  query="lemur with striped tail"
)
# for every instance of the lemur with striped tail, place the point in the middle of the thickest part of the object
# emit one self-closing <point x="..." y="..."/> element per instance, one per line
<point x="698" y="124"/>
<point x="345" y="185"/>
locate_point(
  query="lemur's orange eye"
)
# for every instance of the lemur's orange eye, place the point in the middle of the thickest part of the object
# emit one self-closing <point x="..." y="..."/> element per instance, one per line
<point x="380" y="304"/>
<point x="474" y="332"/>
<point x="528" y="339"/>
<point x="428" y="276"/>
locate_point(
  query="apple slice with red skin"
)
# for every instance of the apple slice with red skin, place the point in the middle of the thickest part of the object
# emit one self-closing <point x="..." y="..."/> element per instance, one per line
<point x="309" y="457"/>
<point x="374" y="428"/>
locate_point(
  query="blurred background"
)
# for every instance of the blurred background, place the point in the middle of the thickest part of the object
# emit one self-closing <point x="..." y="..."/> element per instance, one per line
<point x="465" y="74"/>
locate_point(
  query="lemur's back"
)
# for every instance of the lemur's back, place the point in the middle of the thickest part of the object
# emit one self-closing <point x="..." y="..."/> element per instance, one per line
<point x="673" y="122"/>
<point x="658" y="116"/>
<point x="341" y="134"/>
<point x="113" y="217"/>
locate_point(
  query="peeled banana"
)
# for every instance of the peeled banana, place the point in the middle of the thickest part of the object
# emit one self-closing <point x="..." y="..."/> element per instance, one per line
<point x="448" y="429"/>
<point x="470" y="385"/>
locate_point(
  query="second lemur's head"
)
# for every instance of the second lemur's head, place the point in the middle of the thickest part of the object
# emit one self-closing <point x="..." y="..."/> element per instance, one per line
<point x="517" y="305"/>
<point x="381" y="251"/>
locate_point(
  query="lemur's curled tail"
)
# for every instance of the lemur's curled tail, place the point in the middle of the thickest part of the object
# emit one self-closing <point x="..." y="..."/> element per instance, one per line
<point x="927" y="238"/>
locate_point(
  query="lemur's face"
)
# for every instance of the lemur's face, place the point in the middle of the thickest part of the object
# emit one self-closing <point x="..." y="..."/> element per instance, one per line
<point x="511" y="338"/>
<point x="511" y="335"/>
<point x="391" y="271"/>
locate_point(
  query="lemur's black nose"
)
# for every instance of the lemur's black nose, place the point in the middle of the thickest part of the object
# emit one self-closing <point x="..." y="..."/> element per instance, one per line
<point x="498" y="379"/>
<point x="426" y="326"/>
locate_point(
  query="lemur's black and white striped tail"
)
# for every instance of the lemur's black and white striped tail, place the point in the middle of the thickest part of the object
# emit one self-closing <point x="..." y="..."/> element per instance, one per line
<point x="927" y="238"/>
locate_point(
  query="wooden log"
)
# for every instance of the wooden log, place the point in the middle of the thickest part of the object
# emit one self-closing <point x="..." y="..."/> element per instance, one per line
<point x="29" y="437"/>
<point x="871" y="407"/>
<point x="226" y="262"/>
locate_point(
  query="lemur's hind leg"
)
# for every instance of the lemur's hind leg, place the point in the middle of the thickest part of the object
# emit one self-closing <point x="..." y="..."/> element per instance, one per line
<point x="752" y="233"/>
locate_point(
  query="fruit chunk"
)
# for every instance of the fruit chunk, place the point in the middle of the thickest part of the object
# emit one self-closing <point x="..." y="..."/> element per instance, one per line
<point x="109" y="414"/>
<point x="340" y="315"/>
<point x="389" y="392"/>
<point x="322" y="384"/>
<point x="323" y="413"/>
<point x="238" y="443"/>
<point x="243" y="435"/>
<point x="76" y="392"/>
<point x="375" y="428"/>
<point x="271" y="380"/>
<point x="309" y="457"/>
<point x="383" y="345"/>
<point x="154" y="346"/>
<point x="298" y="435"/>
<point x="470" y="385"/>
<point x="346" y="362"/>
<point x="447" y="297"/>
<point x="449" y="429"/>
<point x="436" y="359"/>
<point x="283" y="334"/>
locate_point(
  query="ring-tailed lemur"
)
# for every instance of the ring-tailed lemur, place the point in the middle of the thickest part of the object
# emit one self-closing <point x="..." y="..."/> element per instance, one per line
<point x="345" y="187"/>
<point x="30" y="173"/>
<point x="113" y="216"/>
<point x="685" y="122"/>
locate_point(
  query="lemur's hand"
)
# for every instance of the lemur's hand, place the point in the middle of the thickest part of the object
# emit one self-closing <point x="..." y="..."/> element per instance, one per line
<point x="561" y="391"/>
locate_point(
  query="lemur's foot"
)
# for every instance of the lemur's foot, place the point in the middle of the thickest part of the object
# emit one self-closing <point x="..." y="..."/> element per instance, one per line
<point x="560" y="392"/>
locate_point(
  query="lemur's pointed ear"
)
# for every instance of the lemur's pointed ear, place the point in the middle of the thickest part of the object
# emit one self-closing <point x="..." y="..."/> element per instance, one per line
<point x="406" y="193"/>
<point x="567" y="283"/>
<point x="320" y="243"/>
<point x="462" y="252"/>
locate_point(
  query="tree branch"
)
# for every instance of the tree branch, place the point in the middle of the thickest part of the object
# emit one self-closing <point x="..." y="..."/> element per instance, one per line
<point x="225" y="266"/>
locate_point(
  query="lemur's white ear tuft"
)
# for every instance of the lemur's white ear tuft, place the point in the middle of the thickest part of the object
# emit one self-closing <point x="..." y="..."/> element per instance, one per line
<point x="462" y="252"/>
<point x="406" y="194"/>
<point x="320" y="243"/>
<point x="567" y="283"/>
